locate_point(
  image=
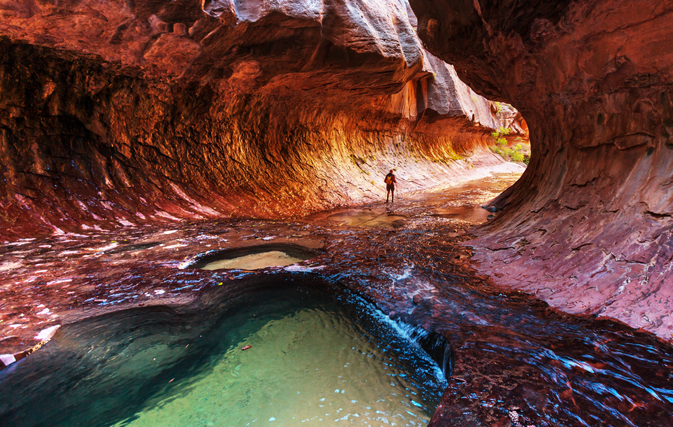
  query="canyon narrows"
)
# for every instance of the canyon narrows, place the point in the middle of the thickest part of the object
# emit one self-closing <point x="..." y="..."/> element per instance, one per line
<point x="588" y="227"/>
<point x="125" y="116"/>
<point x="162" y="158"/>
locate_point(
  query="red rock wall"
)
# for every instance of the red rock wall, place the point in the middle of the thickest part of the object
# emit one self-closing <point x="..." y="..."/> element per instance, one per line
<point x="588" y="227"/>
<point x="270" y="119"/>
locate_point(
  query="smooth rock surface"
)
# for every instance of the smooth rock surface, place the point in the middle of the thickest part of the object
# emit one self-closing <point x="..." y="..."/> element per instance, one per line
<point x="588" y="227"/>
<point x="506" y="351"/>
<point x="115" y="114"/>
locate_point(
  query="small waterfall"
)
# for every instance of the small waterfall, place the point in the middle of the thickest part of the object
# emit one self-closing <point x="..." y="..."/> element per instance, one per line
<point x="439" y="349"/>
<point x="436" y="346"/>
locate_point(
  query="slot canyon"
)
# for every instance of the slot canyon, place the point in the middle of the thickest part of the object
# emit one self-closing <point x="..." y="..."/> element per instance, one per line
<point x="178" y="177"/>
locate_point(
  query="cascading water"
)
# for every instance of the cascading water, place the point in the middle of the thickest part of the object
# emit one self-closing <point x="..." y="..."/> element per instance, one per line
<point x="308" y="357"/>
<point x="507" y="350"/>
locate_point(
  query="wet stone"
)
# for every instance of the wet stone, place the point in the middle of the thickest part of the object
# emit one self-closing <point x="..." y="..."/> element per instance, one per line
<point x="510" y="348"/>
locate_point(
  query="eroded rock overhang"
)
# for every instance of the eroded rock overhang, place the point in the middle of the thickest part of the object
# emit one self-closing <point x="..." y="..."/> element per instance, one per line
<point x="116" y="114"/>
<point x="588" y="227"/>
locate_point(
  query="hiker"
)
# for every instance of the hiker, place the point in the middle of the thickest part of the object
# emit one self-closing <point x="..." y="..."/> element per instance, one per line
<point x="390" y="186"/>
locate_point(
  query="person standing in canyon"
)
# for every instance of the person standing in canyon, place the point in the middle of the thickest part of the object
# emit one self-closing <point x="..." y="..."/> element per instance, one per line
<point x="390" y="186"/>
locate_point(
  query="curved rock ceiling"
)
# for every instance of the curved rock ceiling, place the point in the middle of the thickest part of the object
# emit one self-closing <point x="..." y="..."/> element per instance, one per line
<point x="118" y="113"/>
<point x="588" y="227"/>
<point x="115" y="113"/>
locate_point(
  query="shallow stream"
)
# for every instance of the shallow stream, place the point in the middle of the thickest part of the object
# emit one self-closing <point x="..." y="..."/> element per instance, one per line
<point x="174" y="355"/>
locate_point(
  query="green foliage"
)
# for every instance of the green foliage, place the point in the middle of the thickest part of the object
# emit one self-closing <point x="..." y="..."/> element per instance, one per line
<point x="500" y="132"/>
<point x="517" y="156"/>
<point x="449" y="156"/>
<point x="498" y="107"/>
<point x="519" y="153"/>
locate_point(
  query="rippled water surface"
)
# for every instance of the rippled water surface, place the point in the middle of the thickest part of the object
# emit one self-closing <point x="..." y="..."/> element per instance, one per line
<point x="154" y="365"/>
<point x="311" y="362"/>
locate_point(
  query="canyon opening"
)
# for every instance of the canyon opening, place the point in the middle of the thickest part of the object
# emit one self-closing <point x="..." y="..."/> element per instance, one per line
<point x="348" y="212"/>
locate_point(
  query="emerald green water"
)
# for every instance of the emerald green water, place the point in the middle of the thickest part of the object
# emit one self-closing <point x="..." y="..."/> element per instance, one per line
<point x="316" y="359"/>
<point x="310" y="366"/>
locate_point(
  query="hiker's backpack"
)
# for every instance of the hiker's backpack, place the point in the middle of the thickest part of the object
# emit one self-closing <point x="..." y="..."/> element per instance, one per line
<point x="389" y="179"/>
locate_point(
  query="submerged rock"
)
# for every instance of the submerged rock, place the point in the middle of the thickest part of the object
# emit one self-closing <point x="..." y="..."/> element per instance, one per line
<point x="504" y="348"/>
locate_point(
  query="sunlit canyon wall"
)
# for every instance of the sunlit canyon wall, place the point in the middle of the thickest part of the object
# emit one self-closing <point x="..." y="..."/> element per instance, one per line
<point x="117" y="114"/>
<point x="588" y="227"/>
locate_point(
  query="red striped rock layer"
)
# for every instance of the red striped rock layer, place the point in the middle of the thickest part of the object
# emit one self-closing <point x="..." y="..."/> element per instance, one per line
<point x="588" y="227"/>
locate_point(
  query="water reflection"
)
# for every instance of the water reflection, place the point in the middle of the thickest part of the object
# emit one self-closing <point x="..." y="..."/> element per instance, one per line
<point x="255" y="257"/>
<point x="510" y="350"/>
<point x="473" y="214"/>
<point x="312" y="359"/>
<point x="254" y="261"/>
<point x="371" y="218"/>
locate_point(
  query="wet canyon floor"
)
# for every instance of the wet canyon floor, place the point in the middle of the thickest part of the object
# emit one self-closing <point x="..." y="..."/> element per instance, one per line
<point x="516" y="362"/>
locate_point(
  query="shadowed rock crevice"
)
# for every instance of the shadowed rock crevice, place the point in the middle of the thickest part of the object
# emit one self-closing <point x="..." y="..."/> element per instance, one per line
<point x="593" y="79"/>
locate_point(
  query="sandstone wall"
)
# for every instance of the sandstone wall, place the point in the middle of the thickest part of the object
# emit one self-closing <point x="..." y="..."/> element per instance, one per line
<point x="115" y="114"/>
<point x="588" y="227"/>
